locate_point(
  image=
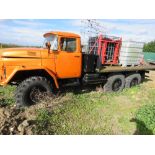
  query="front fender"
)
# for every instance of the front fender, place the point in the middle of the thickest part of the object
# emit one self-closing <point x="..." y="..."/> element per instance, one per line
<point x="22" y="68"/>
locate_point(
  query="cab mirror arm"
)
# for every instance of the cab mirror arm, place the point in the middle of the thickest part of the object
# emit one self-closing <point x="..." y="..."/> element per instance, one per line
<point x="48" y="45"/>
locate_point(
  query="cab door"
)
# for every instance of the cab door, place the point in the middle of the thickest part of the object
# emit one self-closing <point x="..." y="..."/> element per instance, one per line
<point x="68" y="59"/>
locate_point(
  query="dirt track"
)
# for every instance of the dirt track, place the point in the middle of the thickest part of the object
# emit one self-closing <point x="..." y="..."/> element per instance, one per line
<point x="22" y="121"/>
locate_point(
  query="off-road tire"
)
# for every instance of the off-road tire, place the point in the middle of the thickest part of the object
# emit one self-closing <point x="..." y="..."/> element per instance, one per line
<point x="112" y="79"/>
<point x="129" y="80"/>
<point x="22" y="94"/>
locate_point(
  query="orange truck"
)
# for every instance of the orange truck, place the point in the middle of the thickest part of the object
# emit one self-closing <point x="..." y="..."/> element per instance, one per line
<point x="61" y="63"/>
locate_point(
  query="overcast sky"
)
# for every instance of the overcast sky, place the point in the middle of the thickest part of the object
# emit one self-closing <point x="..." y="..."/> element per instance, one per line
<point x="30" y="32"/>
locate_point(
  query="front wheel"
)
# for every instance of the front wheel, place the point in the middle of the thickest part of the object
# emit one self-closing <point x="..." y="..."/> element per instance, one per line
<point x="32" y="90"/>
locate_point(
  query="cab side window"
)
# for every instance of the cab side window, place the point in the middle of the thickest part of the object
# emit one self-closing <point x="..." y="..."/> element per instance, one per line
<point x="68" y="44"/>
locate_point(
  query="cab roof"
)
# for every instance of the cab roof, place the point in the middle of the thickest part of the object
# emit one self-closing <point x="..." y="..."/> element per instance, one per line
<point x="67" y="34"/>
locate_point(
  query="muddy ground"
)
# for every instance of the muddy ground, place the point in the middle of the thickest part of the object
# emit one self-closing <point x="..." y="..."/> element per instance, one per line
<point x="23" y="121"/>
<point x="15" y="121"/>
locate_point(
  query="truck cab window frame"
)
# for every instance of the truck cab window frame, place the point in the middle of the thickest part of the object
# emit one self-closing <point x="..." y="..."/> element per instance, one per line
<point x="53" y="39"/>
<point x="68" y="44"/>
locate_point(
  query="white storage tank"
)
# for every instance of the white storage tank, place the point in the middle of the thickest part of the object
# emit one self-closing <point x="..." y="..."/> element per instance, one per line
<point x="131" y="53"/>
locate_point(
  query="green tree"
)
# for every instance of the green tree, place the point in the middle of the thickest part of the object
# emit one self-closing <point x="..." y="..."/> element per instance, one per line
<point x="3" y="45"/>
<point x="149" y="47"/>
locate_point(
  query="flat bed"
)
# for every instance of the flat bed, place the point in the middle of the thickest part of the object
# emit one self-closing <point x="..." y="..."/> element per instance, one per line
<point x="107" y="69"/>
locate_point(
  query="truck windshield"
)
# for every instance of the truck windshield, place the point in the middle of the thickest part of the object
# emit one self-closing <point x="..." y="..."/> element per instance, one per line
<point x="53" y="39"/>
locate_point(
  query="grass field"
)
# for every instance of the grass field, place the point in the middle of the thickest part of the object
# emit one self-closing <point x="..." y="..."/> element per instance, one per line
<point x="93" y="112"/>
<point x="98" y="113"/>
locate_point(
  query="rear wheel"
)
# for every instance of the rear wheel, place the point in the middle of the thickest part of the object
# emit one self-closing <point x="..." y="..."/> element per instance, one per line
<point x="132" y="80"/>
<point x="32" y="90"/>
<point x="114" y="83"/>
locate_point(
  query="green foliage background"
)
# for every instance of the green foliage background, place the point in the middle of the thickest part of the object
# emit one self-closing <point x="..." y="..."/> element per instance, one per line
<point x="2" y="45"/>
<point x="149" y="47"/>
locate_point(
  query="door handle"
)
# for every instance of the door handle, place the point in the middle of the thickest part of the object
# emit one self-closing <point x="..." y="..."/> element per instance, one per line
<point x="77" y="56"/>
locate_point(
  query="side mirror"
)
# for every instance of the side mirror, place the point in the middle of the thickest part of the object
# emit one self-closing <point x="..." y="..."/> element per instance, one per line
<point x="48" y="45"/>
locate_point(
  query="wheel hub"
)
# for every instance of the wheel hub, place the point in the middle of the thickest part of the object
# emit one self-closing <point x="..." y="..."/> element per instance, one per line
<point x="37" y="94"/>
<point x="134" y="82"/>
<point x="116" y="85"/>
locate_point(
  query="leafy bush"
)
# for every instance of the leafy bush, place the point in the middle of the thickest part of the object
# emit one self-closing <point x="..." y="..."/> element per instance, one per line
<point x="145" y="119"/>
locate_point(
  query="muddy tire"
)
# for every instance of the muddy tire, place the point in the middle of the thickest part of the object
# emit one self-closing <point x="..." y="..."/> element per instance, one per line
<point x="27" y="91"/>
<point x="133" y="80"/>
<point x="114" y="83"/>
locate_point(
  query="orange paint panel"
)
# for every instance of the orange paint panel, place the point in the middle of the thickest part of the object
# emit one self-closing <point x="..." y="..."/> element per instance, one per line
<point x="22" y="61"/>
<point x="68" y="65"/>
<point x="65" y="34"/>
